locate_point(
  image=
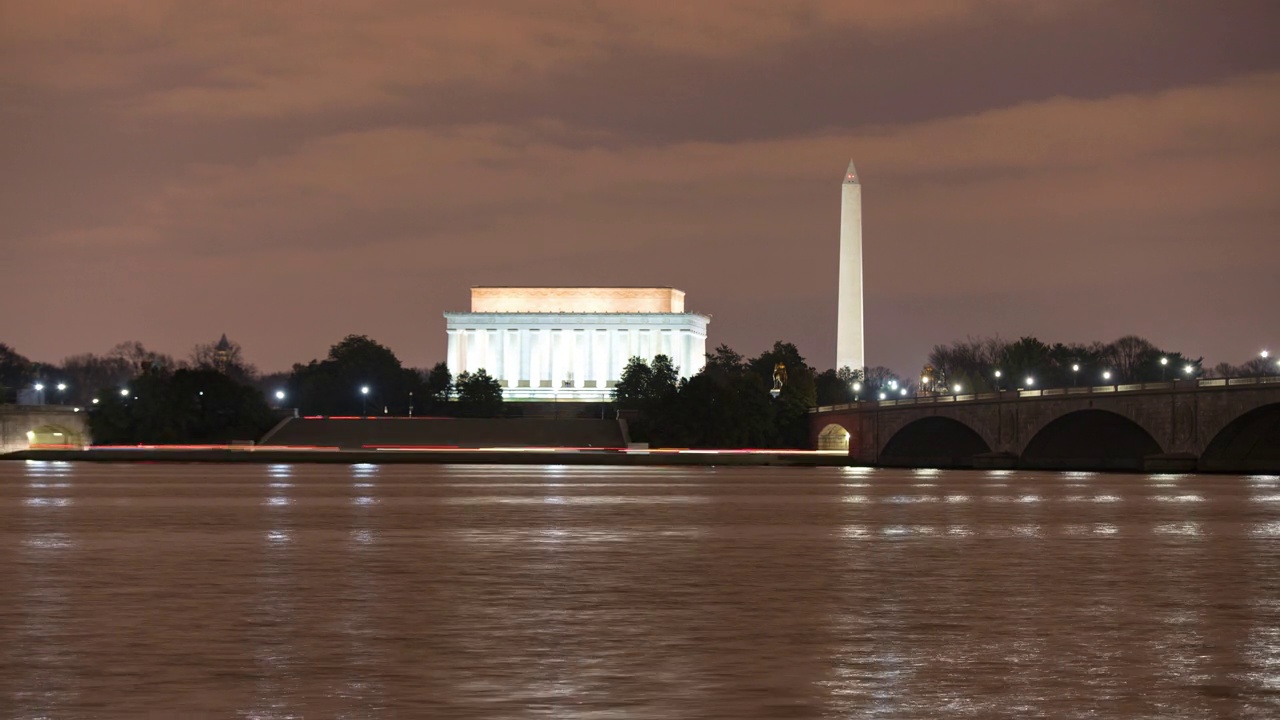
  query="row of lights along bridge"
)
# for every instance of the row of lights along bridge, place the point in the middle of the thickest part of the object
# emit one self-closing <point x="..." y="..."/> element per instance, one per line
<point x="928" y="385"/>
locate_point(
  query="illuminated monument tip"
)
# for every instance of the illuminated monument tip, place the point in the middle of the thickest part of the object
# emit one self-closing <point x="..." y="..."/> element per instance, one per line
<point x="851" y="175"/>
<point x="849" y="344"/>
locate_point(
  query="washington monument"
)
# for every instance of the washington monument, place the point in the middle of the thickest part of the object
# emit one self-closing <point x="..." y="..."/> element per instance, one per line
<point x="849" y="346"/>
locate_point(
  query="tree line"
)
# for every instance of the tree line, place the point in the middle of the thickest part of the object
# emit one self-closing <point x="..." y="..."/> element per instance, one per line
<point x="135" y="395"/>
<point x="138" y="395"/>
<point x="1031" y="363"/>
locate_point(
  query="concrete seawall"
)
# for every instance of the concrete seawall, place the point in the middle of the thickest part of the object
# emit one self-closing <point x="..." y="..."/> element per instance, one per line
<point x="437" y="457"/>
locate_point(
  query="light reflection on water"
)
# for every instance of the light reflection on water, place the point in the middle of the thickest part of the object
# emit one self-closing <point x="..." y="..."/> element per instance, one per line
<point x="575" y="592"/>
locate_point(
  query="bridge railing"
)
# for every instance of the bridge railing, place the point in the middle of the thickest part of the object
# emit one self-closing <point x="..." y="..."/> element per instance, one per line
<point x="1053" y="392"/>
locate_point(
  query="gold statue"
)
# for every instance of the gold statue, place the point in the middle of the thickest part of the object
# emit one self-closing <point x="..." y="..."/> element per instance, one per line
<point x="779" y="376"/>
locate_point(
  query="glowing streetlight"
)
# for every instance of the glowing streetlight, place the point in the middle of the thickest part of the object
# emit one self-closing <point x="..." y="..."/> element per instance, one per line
<point x="956" y="387"/>
<point x="364" y="399"/>
<point x="1266" y="354"/>
<point x="1189" y="369"/>
<point x="883" y="396"/>
<point x="857" y="389"/>
<point x="1106" y="374"/>
<point x="124" y="392"/>
<point x="998" y="375"/>
<point x="1031" y="382"/>
<point x="39" y="387"/>
<point x="279" y="394"/>
<point x="903" y="392"/>
<point x="95" y="401"/>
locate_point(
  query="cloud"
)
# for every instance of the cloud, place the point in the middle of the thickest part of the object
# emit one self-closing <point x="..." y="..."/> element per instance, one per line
<point x="214" y="59"/>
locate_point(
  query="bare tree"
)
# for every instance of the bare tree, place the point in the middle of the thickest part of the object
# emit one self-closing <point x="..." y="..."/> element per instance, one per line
<point x="1127" y="355"/>
<point x="139" y="358"/>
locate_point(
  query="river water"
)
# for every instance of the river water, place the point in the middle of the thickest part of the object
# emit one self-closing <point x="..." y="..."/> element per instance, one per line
<point x="325" y="591"/>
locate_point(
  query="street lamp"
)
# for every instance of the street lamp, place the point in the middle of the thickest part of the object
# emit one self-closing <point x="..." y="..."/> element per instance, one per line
<point x="997" y="381"/>
<point x="124" y="392"/>
<point x="903" y="392"/>
<point x="1031" y="382"/>
<point x="1164" y="361"/>
<point x="1075" y="374"/>
<point x="279" y="395"/>
<point x="1106" y="374"/>
<point x="1266" y="354"/>
<point x="857" y="388"/>
<point x="62" y="389"/>
<point x="883" y="396"/>
<point x="364" y="399"/>
<point x="956" y="387"/>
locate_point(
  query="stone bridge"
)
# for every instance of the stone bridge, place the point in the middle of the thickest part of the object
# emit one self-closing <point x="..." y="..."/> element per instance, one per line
<point x="42" y="426"/>
<point x="1210" y="425"/>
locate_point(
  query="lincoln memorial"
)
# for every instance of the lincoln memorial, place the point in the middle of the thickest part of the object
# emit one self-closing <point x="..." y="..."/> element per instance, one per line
<point x="571" y="343"/>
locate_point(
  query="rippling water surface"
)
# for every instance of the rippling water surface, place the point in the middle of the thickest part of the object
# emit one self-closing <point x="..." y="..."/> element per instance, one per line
<point x="279" y="591"/>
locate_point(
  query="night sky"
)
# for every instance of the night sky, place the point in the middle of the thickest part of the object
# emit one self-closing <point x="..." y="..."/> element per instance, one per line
<point x="289" y="172"/>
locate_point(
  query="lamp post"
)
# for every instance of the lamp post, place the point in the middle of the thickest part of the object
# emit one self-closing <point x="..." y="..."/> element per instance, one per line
<point x="364" y="400"/>
<point x="857" y="389"/>
<point x="1075" y="374"/>
<point x="997" y="381"/>
<point x="1164" y="362"/>
<point x="1106" y="375"/>
<point x="1031" y="382"/>
<point x="956" y="388"/>
<point x="62" y="393"/>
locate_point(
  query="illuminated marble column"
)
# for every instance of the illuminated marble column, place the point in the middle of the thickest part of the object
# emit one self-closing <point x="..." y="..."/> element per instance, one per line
<point x="453" y="358"/>
<point x="494" y="354"/>
<point x="526" y="354"/>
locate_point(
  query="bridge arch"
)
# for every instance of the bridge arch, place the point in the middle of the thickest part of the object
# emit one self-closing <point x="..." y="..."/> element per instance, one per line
<point x="1090" y="439"/>
<point x="935" y="441"/>
<point x="53" y="435"/>
<point x="833" y="437"/>
<point x="1248" y="443"/>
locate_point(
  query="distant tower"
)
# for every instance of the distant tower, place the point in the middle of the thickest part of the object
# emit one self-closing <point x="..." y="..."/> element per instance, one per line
<point x="222" y="354"/>
<point x="849" y="346"/>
